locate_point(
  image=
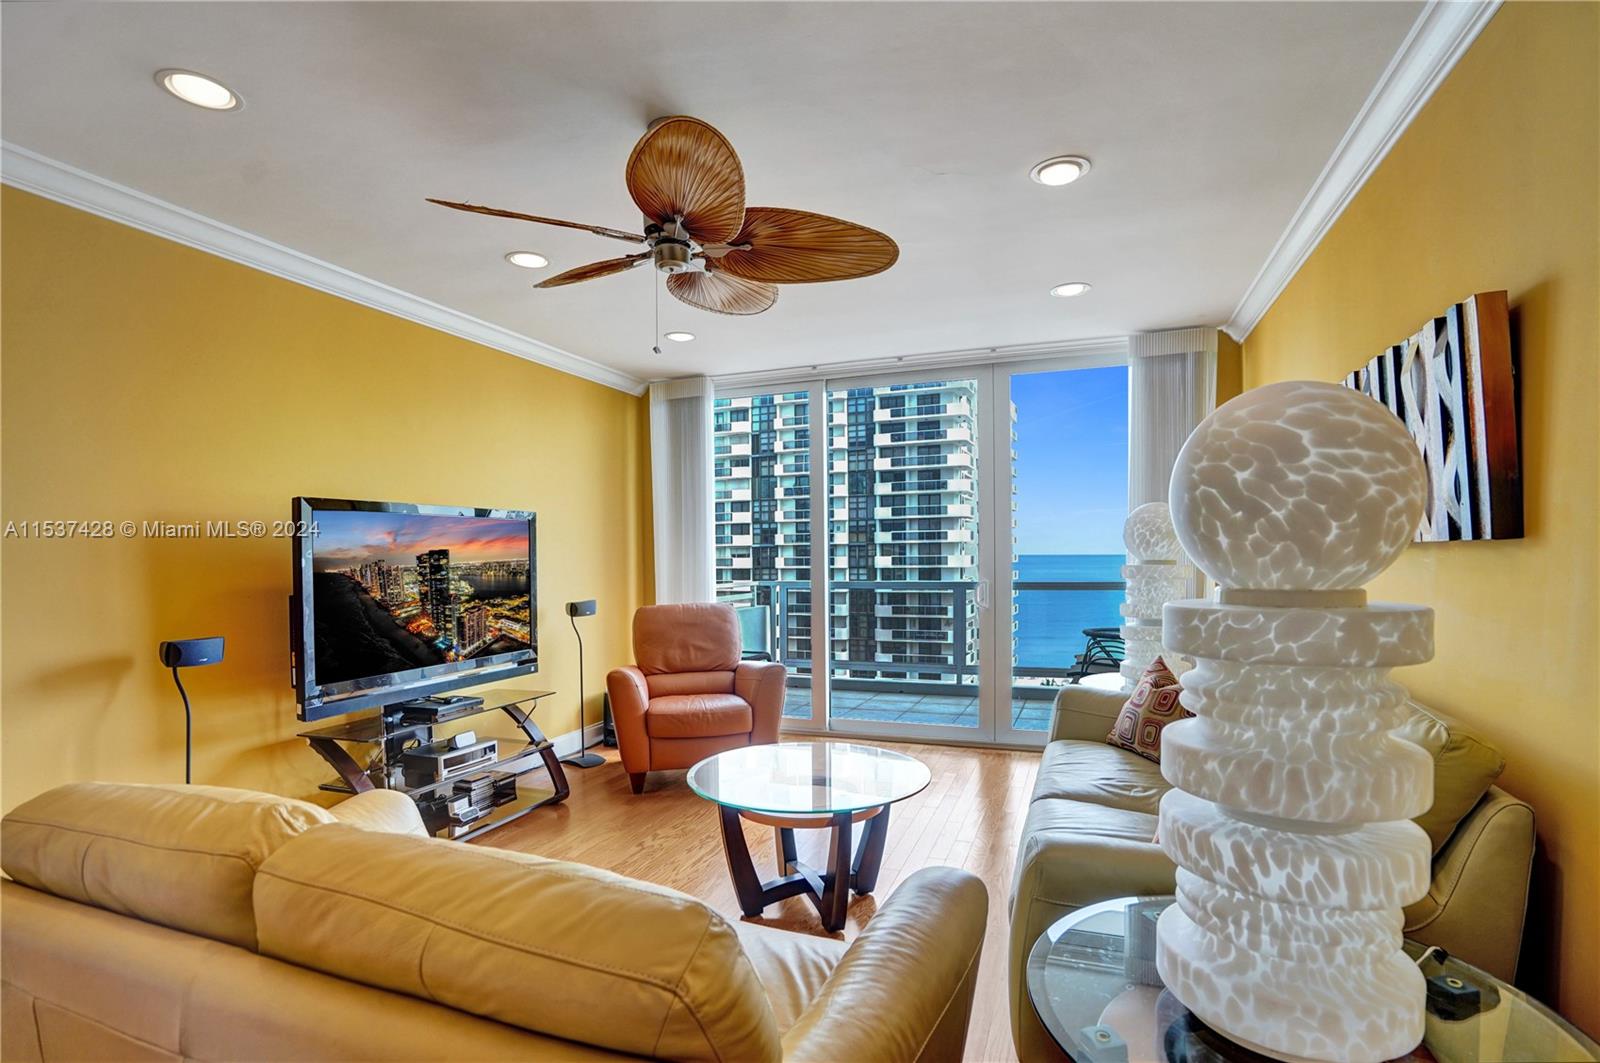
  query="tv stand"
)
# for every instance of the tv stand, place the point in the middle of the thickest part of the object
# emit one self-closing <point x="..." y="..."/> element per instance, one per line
<point x="391" y="735"/>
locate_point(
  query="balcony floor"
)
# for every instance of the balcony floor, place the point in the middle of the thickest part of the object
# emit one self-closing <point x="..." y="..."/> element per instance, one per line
<point x="949" y="710"/>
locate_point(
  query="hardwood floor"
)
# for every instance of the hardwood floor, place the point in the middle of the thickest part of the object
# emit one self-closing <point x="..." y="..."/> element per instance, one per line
<point x="969" y="817"/>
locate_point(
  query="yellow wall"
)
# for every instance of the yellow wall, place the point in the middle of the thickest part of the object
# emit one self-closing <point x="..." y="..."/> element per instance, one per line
<point x="1496" y="185"/>
<point x="1230" y="368"/>
<point x="143" y="380"/>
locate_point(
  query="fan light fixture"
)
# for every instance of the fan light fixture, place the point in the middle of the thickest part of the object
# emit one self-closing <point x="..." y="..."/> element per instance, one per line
<point x="680" y="337"/>
<point x="527" y="259"/>
<point x="1067" y="291"/>
<point x="1060" y="170"/>
<point x="199" y="90"/>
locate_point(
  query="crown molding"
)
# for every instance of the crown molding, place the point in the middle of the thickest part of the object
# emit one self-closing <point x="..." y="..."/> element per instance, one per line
<point x="1107" y="348"/>
<point x="1437" y="40"/>
<point x="55" y="180"/>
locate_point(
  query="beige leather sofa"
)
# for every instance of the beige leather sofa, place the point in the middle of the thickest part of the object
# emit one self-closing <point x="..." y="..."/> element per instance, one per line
<point x="151" y="923"/>
<point x="1089" y="830"/>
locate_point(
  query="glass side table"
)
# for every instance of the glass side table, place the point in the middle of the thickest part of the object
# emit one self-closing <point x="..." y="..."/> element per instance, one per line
<point x="1092" y="980"/>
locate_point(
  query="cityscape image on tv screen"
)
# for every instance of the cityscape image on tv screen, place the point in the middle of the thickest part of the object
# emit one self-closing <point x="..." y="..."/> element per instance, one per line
<point x="392" y="592"/>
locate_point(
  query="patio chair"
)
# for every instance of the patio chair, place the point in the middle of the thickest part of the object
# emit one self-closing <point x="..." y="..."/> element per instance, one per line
<point x="1102" y="652"/>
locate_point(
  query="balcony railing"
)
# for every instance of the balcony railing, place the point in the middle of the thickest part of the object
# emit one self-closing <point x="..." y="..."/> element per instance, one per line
<point x="858" y="639"/>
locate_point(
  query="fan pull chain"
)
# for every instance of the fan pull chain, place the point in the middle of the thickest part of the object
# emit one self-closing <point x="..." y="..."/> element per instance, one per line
<point x="655" y="286"/>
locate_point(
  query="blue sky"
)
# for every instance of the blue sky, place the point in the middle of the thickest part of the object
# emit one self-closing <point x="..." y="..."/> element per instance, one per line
<point x="351" y="537"/>
<point x="1072" y="460"/>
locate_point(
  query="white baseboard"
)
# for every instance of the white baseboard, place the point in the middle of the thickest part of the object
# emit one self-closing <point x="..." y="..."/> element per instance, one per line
<point x="569" y="744"/>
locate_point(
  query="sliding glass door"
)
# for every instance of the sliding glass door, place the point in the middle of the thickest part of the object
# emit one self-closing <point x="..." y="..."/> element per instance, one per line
<point x="880" y="514"/>
<point x="1066" y="496"/>
<point x="904" y="587"/>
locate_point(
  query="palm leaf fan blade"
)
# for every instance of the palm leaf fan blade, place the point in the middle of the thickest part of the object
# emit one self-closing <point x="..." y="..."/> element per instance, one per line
<point x="683" y="168"/>
<point x="799" y="247"/>
<point x="722" y="294"/>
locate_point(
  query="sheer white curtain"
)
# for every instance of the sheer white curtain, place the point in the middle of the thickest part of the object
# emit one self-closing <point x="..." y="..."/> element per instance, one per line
<point x="680" y="482"/>
<point x="1172" y="387"/>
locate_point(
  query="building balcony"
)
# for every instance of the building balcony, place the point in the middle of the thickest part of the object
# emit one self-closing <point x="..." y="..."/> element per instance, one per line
<point x="953" y="460"/>
<point x="952" y="434"/>
<point x="943" y="535"/>
<point x="945" y="509"/>
<point x="915" y="411"/>
<point x="926" y="485"/>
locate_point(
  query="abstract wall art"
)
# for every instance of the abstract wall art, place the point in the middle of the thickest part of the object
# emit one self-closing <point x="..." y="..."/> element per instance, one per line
<point x="1451" y="384"/>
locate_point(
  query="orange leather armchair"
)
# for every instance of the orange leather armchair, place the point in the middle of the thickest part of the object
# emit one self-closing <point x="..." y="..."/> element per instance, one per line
<point x="689" y="695"/>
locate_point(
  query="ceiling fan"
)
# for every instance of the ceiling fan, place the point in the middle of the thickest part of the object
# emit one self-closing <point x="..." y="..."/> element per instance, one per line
<point x="718" y="254"/>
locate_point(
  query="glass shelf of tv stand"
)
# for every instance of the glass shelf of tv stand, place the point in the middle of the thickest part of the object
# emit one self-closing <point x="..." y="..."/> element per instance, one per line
<point x="517" y="756"/>
<point x="513" y="752"/>
<point x="370" y="729"/>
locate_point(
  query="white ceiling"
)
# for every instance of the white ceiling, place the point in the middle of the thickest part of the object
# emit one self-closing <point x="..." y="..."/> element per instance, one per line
<point x="1206" y="122"/>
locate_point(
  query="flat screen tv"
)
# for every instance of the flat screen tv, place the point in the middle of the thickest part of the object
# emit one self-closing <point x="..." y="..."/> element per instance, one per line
<point x="395" y="601"/>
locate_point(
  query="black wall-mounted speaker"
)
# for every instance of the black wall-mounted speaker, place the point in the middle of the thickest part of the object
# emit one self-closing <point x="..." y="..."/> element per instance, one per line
<point x="186" y="653"/>
<point x="583" y="608"/>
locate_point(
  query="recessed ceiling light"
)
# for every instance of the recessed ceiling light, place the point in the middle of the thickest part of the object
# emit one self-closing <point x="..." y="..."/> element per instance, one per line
<point x="1067" y="291"/>
<point x="1061" y="170"/>
<point x="680" y="337"/>
<point x="527" y="259"/>
<point x="198" y="90"/>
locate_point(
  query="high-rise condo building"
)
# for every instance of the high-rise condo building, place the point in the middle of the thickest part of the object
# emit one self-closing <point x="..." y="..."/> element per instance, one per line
<point x="433" y="588"/>
<point x="902" y="520"/>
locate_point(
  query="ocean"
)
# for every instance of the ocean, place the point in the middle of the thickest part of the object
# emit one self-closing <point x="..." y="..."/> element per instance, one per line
<point x="1050" y="624"/>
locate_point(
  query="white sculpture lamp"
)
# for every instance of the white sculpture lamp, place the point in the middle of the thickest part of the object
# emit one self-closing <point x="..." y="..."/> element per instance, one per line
<point x="1290" y="817"/>
<point x="1156" y="574"/>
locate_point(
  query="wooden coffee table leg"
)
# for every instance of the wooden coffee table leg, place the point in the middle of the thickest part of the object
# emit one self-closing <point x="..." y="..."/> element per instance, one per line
<point x="746" y="883"/>
<point x="786" y="850"/>
<point x="869" y="858"/>
<point x="836" y="891"/>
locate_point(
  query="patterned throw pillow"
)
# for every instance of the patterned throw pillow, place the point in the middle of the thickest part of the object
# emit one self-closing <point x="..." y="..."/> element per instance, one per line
<point x="1153" y="705"/>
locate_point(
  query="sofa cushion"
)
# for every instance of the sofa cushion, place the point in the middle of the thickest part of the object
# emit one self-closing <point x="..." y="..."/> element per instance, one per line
<point x="1100" y="774"/>
<point x="180" y="856"/>
<point x="699" y="637"/>
<point x="697" y="716"/>
<point x="561" y="949"/>
<point x="1152" y="705"/>
<point x="1465" y="765"/>
<point x="1075" y="853"/>
<point x="792" y="967"/>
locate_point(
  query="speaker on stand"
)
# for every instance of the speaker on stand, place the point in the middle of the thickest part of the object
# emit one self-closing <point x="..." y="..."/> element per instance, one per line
<point x="583" y="759"/>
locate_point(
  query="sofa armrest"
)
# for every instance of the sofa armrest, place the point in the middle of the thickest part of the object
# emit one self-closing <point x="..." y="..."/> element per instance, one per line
<point x="1478" y="899"/>
<point x="761" y="683"/>
<point x="384" y="811"/>
<point x="903" y="991"/>
<point x="1085" y="713"/>
<point x="630" y="699"/>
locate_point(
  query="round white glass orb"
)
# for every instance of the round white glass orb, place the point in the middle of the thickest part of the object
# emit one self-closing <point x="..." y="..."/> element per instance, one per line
<point x="1148" y="534"/>
<point x="1297" y="486"/>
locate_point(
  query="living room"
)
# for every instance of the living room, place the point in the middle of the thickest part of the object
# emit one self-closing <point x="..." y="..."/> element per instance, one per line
<point x="1062" y="584"/>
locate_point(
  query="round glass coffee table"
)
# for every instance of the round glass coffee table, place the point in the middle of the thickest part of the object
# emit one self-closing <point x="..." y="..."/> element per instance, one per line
<point x="793" y="786"/>
<point x="1093" y="982"/>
